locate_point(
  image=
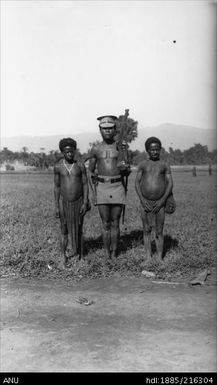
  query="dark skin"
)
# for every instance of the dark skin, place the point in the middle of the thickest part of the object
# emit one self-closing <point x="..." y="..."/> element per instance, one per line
<point x="153" y="183"/>
<point x="105" y="159"/>
<point x="70" y="186"/>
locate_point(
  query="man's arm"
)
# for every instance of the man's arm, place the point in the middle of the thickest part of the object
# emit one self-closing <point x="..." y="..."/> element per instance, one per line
<point x="84" y="207"/>
<point x="137" y="183"/>
<point x="169" y="181"/>
<point x="92" y="162"/>
<point x="57" y="191"/>
<point x="143" y="201"/>
<point x="92" y="178"/>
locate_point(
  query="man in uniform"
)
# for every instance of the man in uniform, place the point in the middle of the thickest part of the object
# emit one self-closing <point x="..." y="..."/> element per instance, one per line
<point x="107" y="174"/>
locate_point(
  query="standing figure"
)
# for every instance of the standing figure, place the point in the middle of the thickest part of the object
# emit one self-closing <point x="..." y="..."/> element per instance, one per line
<point x="194" y="171"/>
<point x="71" y="198"/>
<point x="107" y="174"/>
<point x="154" y="187"/>
<point x="210" y="168"/>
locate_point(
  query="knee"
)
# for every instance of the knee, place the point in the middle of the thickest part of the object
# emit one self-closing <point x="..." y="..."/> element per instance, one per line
<point x="147" y="229"/>
<point x="64" y="230"/>
<point x="115" y="224"/>
<point x="159" y="231"/>
<point x="106" y="225"/>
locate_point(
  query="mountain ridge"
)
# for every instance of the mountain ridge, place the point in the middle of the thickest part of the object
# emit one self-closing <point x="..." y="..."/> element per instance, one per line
<point x="172" y="135"/>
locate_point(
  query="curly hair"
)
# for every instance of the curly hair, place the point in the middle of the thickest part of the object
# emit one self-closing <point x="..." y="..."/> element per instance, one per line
<point x="67" y="142"/>
<point x="150" y="140"/>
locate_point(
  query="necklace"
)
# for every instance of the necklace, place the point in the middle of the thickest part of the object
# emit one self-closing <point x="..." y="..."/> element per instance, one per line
<point x="67" y="168"/>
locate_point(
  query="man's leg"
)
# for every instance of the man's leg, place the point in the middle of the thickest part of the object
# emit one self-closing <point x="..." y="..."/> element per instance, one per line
<point x="115" y="229"/>
<point x="64" y="243"/>
<point x="80" y="238"/>
<point x="104" y="211"/>
<point x="75" y="226"/>
<point x="159" y="239"/>
<point x="63" y="237"/>
<point x="147" y="226"/>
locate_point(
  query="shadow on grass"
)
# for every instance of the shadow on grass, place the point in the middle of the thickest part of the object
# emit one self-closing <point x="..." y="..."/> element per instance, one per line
<point x="169" y="244"/>
<point x="129" y="241"/>
<point x="92" y="244"/>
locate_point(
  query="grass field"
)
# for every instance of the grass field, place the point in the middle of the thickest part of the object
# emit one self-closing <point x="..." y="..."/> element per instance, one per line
<point x="30" y="233"/>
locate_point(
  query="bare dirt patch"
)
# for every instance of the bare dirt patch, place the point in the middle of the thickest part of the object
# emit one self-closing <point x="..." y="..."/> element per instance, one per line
<point x="133" y="325"/>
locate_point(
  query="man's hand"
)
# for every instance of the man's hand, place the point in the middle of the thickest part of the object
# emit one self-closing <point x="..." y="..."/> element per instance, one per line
<point x="85" y="207"/>
<point x="127" y="171"/>
<point x="157" y="205"/>
<point x="94" y="179"/>
<point x="146" y="205"/>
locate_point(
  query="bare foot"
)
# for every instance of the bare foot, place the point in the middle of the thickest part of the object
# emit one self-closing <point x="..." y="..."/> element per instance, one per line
<point x="72" y="254"/>
<point x="107" y="254"/>
<point x="158" y="257"/>
<point x="147" y="257"/>
<point x="63" y="264"/>
<point x="114" y="254"/>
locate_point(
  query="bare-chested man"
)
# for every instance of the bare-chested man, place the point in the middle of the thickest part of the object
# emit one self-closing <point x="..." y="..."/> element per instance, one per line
<point x="107" y="178"/>
<point x="71" y="198"/>
<point x="154" y="187"/>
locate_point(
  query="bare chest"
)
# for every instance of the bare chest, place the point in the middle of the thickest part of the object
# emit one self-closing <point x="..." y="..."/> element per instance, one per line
<point x="154" y="169"/>
<point x="107" y="153"/>
<point x="70" y="170"/>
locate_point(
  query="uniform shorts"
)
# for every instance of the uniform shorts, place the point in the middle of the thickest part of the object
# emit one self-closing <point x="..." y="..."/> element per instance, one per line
<point x="110" y="193"/>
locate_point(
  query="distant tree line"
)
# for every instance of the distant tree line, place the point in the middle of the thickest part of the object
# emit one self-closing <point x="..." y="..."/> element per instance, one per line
<point x="127" y="130"/>
<point x="198" y="154"/>
<point x="39" y="160"/>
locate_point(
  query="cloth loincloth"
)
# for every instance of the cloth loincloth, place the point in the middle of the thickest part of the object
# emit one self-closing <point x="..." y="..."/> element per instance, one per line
<point x="71" y="220"/>
<point x="151" y="204"/>
<point x="170" y="205"/>
<point x="110" y="193"/>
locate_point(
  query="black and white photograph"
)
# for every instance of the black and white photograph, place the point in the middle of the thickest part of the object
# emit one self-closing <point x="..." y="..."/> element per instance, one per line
<point x="108" y="182"/>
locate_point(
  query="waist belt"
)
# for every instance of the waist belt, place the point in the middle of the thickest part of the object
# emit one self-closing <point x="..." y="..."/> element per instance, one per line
<point x="108" y="180"/>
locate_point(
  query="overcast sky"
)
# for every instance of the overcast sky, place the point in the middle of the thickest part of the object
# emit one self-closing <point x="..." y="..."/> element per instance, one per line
<point x="64" y="63"/>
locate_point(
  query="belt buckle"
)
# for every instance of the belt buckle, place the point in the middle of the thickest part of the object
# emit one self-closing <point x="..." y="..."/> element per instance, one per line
<point x="107" y="179"/>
